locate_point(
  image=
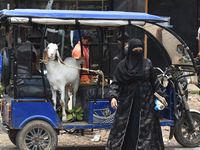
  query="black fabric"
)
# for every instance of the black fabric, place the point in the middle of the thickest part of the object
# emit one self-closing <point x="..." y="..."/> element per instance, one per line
<point x="132" y="65"/>
<point x="133" y="125"/>
<point x="136" y="124"/>
<point x="87" y="92"/>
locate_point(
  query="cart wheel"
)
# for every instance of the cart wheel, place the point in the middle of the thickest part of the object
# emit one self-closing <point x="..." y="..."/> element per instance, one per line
<point x="37" y="135"/>
<point x="12" y="135"/>
<point x="185" y="137"/>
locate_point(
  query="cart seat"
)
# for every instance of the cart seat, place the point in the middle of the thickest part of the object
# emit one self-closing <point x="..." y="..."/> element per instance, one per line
<point x="87" y="92"/>
<point x="31" y="88"/>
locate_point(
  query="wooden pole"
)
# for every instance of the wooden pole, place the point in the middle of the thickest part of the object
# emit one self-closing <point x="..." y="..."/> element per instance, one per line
<point x="146" y="6"/>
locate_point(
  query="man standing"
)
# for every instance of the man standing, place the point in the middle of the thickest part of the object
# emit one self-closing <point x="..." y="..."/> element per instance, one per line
<point x="87" y="38"/>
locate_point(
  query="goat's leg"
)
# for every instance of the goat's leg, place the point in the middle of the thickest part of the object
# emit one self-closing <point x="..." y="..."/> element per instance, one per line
<point x="75" y="89"/>
<point x="62" y="103"/>
<point x="66" y="97"/>
<point x="53" y="97"/>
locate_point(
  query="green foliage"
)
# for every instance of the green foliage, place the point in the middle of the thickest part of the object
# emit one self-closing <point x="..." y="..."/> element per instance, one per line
<point x="194" y="92"/>
<point x="59" y="113"/>
<point x="1" y="90"/>
<point x="73" y="114"/>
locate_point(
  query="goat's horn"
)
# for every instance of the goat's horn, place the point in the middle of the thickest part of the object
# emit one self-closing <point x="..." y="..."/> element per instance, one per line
<point x="58" y="44"/>
<point x="47" y="42"/>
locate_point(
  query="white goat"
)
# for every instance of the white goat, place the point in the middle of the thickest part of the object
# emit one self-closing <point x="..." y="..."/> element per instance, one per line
<point x="61" y="77"/>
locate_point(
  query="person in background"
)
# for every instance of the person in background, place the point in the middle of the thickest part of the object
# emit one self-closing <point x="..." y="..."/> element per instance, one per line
<point x="136" y="124"/>
<point x="87" y="38"/>
<point x="119" y="37"/>
<point x="58" y="5"/>
<point x="76" y="37"/>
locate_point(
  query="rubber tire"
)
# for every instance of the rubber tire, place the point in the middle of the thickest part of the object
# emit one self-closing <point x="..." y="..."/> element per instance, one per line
<point x="37" y="124"/>
<point x="179" y="136"/>
<point x="12" y="135"/>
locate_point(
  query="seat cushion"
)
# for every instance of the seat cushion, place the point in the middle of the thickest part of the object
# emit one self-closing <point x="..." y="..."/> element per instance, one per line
<point x="31" y="88"/>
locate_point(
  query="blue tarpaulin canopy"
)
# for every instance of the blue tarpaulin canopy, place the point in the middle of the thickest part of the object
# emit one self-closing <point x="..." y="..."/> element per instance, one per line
<point x="77" y="14"/>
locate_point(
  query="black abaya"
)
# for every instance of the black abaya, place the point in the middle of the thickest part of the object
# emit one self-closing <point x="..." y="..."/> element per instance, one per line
<point x="136" y="124"/>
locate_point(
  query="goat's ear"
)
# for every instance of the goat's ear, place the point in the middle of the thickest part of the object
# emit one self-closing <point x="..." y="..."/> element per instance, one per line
<point x="45" y="57"/>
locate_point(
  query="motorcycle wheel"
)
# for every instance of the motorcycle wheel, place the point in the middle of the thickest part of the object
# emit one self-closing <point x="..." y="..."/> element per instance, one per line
<point x="185" y="137"/>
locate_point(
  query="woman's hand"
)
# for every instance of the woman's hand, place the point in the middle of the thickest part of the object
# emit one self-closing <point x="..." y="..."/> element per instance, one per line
<point x="114" y="103"/>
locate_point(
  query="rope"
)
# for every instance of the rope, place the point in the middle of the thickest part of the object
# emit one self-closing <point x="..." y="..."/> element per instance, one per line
<point x="84" y="69"/>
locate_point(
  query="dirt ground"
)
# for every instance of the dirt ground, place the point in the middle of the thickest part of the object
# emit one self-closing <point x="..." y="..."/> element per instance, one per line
<point x="76" y="139"/>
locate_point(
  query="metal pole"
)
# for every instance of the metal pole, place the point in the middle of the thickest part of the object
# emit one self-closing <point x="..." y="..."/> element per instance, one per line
<point x="145" y="37"/>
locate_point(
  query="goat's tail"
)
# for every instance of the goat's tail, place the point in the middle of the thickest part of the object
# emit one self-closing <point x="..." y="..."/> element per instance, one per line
<point x="80" y="60"/>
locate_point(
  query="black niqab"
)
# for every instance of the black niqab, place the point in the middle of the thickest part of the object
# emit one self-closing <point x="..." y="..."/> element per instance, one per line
<point x="132" y="66"/>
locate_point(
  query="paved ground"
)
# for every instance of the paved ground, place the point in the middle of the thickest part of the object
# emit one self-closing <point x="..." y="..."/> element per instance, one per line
<point x="192" y="87"/>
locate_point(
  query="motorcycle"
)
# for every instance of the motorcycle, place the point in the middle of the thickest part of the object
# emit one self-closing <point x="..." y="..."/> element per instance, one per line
<point x="186" y="121"/>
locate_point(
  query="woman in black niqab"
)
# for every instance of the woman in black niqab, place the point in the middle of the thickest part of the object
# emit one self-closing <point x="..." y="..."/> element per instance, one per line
<point x="136" y="124"/>
<point x="132" y="65"/>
